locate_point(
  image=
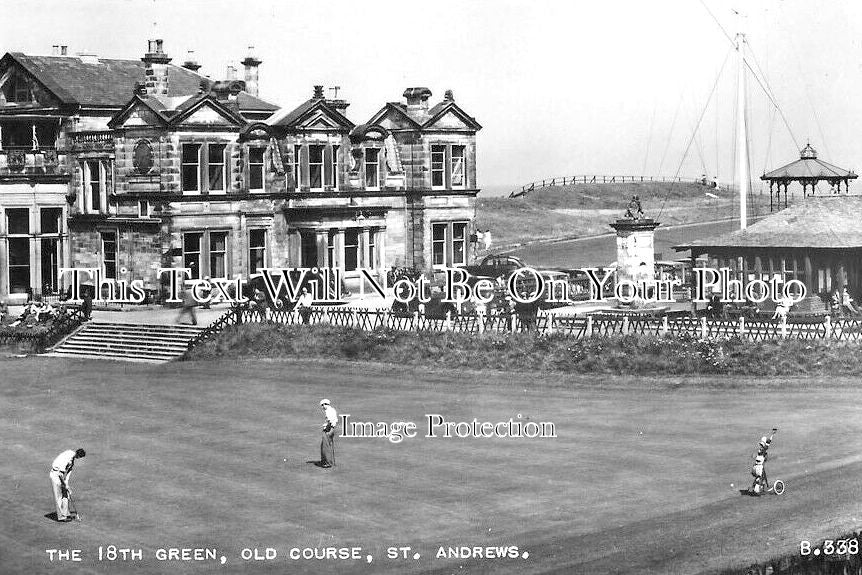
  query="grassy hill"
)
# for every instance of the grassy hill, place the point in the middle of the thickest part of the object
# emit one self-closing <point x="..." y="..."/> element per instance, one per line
<point x="586" y="209"/>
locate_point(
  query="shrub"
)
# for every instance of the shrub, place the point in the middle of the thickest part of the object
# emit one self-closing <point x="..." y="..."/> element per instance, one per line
<point x="629" y="354"/>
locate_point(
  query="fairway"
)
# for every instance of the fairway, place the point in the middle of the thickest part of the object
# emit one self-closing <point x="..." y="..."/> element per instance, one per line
<point x="638" y="479"/>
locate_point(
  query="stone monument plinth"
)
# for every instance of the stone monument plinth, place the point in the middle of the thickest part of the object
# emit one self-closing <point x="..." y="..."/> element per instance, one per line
<point x="635" y="249"/>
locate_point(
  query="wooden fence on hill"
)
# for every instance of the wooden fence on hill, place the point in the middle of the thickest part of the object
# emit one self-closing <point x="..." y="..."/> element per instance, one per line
<point x="572" y="180"/>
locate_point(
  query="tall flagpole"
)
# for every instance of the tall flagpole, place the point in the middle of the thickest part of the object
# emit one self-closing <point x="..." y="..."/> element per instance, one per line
<point x="742" y="171"/>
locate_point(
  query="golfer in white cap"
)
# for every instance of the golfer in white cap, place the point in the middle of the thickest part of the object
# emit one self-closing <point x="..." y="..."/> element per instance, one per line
<point x="327" y="442"/>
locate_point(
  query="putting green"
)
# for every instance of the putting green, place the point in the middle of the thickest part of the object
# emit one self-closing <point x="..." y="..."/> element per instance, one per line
<point x="192" y="455"/>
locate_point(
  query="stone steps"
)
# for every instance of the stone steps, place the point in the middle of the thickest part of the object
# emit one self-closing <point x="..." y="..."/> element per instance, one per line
<point x="153" y="343"/>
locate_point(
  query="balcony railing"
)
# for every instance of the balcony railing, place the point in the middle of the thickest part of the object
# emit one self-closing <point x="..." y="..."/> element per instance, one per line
<point x="25" y="161"/>
<point x="94" y="137"/>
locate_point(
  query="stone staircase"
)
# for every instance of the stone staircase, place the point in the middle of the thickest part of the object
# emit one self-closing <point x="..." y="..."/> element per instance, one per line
<point x="152" y="343"/>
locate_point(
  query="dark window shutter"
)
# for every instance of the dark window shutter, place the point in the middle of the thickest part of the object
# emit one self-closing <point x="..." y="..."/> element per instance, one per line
<point x="327" y="166"/>
<point x="303" y="168"/>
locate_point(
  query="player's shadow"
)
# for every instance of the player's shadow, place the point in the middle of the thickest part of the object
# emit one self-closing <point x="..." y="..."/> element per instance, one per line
<point x="315" y="463"/>
<point x="52" y="516"/>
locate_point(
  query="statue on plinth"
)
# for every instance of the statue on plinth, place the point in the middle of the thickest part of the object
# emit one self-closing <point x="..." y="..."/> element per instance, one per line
<point x="634" y="211"/>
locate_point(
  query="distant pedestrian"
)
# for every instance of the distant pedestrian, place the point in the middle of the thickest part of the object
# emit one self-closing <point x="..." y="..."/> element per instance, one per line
<point x="783" y="308"/>
<point x="847" y="302"/>
<point x="303" y="304"/>
<point x="61" y="469"/>
<point x="188" y="306"/>
<point x="258" y="303"/>
<point x="327" y="442"/>
<point x="87" y="304"/>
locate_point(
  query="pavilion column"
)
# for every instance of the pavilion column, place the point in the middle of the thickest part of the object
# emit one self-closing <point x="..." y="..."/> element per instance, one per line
<point x="810" y="285"/>
<point x="770" y="194"/>
<point x="786" y="185"/>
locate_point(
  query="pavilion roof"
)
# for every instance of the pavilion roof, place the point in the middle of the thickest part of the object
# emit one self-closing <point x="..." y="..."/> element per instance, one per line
<point x="816" y="222"/>
<point x="809" y="167"/>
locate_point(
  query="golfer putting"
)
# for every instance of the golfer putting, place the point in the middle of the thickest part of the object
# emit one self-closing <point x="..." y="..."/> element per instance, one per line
<point x="61" y="469"/>
<point x="327" y="442"/>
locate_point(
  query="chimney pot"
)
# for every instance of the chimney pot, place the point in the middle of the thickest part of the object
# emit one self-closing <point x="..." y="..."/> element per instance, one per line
<point x="449" y="96"/>
<point x="417" y="97"/>
<point x="191" y="63"/>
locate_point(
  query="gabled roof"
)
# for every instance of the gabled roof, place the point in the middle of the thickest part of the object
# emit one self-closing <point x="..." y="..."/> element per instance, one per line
<point x="424" y="119"/>
<point x="294" y="117"/>
<point x="110" y="82"/>
<point x="396" y="107"/>
<point x="174" y="110"/>
<point x="191" y="105"/>
<point x="816" y="222"/>
<point x="808" y="167"/>
<point x="446" y="106"/>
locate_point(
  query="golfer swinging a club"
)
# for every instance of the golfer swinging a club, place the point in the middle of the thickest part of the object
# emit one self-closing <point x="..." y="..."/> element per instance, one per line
<point x="60" y="471"/>
<point x="758" y="470"/>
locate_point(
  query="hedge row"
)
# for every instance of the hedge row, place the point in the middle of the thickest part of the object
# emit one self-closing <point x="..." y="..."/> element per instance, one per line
<point x="630" y="354"/>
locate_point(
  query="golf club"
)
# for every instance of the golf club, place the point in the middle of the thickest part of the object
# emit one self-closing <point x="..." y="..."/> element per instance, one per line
<point x="73" y="509"/>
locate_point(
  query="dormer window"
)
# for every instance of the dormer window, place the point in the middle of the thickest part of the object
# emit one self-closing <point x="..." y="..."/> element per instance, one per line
<point x="458" y="173"/>
<point x="315" y="167"/>
<point x="448" y="167"/>
<point x="372" y="169"/>
<point x="255" y="169"/>
<point x="216" y="168"/>
<point x="438" y="167"/>
<point x="191" y="167"/>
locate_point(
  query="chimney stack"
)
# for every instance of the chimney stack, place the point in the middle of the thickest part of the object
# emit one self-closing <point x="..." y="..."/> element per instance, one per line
<point x="318" y="93"/>
<point x="55" y="50"/>
<point x="191" y="63"/>
<point x="251" y="64"/>
<point x="64" y="50"/>
<point x="231" y="73"/>
<point x="417" y="98"/>
<point x="449" y="96"/>
<point x="156" y="71"/>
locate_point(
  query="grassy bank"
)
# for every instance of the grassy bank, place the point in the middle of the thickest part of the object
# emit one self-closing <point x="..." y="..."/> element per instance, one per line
<point x="585" y="209"/>
<point x="637" y="355"/>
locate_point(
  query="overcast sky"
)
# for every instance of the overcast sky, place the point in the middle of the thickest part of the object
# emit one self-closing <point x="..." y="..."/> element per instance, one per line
<point x="561" y="87"/>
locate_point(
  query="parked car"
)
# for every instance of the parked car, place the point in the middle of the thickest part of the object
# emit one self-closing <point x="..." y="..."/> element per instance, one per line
<point x="495" y="265"/>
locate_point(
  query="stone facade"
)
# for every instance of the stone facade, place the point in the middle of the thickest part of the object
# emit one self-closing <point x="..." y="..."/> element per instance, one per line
<point x="208" y="179"/>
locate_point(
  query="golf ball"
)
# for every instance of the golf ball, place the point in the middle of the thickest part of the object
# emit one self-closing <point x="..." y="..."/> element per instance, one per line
<point x="285" y="460"/>
<point x="731" y="484"/>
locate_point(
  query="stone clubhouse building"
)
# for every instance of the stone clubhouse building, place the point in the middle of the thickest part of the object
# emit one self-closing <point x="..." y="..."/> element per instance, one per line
<point x="131" y="165"/>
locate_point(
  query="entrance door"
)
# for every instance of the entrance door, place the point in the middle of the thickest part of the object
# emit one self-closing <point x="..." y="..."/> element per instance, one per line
<point x="308" y="240"/>
<point x="50" y="265"/>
